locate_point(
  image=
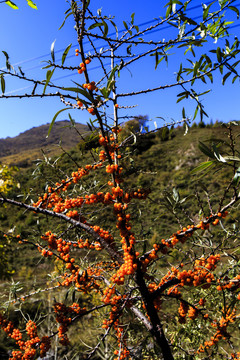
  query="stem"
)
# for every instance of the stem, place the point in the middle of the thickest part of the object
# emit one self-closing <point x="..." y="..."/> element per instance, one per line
<point x="114" y="103"/>
<point x="112" y="252"/>
<point x="156" y="328"/>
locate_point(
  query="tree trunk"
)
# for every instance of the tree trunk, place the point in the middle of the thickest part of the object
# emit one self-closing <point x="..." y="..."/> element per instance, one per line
<point x="156" y="329"/>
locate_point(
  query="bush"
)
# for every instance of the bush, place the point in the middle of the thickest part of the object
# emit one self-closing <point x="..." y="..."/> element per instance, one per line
<point x="115" y="287"/>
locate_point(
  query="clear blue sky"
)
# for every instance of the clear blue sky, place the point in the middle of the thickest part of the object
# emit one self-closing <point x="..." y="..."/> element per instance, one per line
<point x="27" y="35"/>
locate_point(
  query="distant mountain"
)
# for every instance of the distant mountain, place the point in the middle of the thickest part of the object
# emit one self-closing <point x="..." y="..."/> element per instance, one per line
<point x="20" y="150"/>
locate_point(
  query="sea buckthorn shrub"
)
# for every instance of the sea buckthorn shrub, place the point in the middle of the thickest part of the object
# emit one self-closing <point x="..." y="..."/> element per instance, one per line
<point x="101" y="267"/>
<point x="118" y="289"/>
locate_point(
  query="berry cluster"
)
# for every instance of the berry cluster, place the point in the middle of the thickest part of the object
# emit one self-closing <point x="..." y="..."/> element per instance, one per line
<point x="129" y="261"/>
<point x="221" y="333"/>
<point x="90" y="86"/>
<point x="64" y="318"/>
<point x="28" y="348"/>
<point x="186" y="232"/>
<point x="200" y="275"/>
<point x="123" y="352"/>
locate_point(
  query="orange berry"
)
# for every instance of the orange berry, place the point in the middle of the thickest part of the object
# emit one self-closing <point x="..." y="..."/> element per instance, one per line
<point x="225" y="214"/>
<point x="91" y="111"/>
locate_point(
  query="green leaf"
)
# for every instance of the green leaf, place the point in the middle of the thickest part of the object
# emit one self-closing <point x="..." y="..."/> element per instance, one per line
<point x="54" y="118"/>
<point x="233" y="8"/>
<point x="32" y="4"/>
<point x="156" y="60"/>
<point x="132" y="18"/>
<point x="210" y="76"/>
<point x="169" y="9"/>
<point x="205" y="92"/>
<point x="181" y="98"/>
<point x="48" y="78"/>
<point x="105" y="29"/>
<point x="186" y="198"/>
<point x="222" y="3"/>
<point x="47" y="66"/>
<point x="104" y="92"/>
<point x="2" y="84"/>
<point x="225" y="77"/>
<point x="95" y="25"/>
<point x="204" y="149"/>
<point x="136" y="28"/>
<point x="236" y="177"/>
<point x="231" y="158"/>
<point x="234" y="79"/>
<point x="186" y="128"/>
<point x="176" y="196"/>
<point x="65" y="53"/>
<point x="182" y="30"/>
<point x="65" y="19"/>
<point x="129" y="49"/>
<point x="218" y="156"/>
<point x="71" y="119"/>
<point x="183" y="113"/>
<point x="21" y="72"/>
<point x="115" y="26"/>
<point x="203" y="166"/>
<point x="80" y="91"/>
<point x="209" y="61"/>
<point x="235" y="64"/>
<point x="111" y="76"/>
<point x="219" y="54"/>
<point x="125" y="25"/>
<point x="8" y="66"/>
<point x="221" y="69"/>
<point x="52" y="51"/>
<point x="206" y="11"/>
<point x="189" y="20"/>
<point x="11" y="4"/>
<point x="195" y="112"/>
<point x="6" y="55"/>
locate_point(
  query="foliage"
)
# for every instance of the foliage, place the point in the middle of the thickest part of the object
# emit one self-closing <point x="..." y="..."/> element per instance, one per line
<point x="7" y="178"/>
<point x="141" y="294"/>
<point x="15" y="7"/>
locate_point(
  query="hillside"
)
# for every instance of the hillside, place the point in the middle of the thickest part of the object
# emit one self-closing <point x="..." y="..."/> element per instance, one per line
<point x="21" y="150"/>
<point x="161" y="162"/>
<point x="155" y="162"/>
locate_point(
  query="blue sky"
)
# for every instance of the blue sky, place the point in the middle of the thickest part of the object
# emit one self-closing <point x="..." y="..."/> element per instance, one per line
<point x="27" y="35"/>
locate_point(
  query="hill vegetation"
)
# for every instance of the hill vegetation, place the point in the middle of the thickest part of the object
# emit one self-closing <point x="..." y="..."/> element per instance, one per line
<point x="161" y="161"/>
<point x="21" y="150"/>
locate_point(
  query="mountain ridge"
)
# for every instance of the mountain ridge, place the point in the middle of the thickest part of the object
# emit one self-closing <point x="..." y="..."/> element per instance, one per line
<point x="19" y="150"/>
